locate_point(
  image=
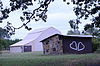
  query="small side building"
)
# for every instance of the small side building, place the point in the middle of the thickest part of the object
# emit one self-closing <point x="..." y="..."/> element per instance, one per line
<point x="69" y="44"/>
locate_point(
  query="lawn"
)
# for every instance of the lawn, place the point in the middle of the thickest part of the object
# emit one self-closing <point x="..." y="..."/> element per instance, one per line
<point x="38" y="59"/>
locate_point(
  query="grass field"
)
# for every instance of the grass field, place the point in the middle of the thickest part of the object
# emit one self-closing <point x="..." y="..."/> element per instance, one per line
<point x="38" y="59"/>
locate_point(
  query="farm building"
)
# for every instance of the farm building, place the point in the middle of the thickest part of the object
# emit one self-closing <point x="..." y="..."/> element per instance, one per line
<point x="32" y="41"/>
<point x="71" y="44"/>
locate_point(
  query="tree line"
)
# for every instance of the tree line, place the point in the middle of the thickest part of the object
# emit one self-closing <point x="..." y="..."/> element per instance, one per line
<point x="5" y="43"/>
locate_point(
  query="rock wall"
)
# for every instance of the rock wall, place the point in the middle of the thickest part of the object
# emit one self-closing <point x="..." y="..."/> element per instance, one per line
<point x="53" y="45"/>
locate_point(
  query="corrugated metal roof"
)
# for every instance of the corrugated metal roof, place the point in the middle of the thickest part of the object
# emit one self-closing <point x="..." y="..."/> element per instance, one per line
<point x="79" y="35"/>
<point x="31" y="36"/>
<point x="69" y="36"/>
<point x="21" y="43"/>
<point x="38" y="30"/>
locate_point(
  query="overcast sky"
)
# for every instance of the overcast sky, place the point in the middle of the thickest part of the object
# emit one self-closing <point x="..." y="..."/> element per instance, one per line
<point x="59" y="13"/>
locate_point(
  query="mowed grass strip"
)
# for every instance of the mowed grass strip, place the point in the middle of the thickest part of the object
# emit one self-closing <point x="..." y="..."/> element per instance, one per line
<point x="38" y="59"/>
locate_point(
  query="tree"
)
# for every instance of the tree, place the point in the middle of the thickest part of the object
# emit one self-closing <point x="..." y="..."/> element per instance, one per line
<point x="87" y="8"/>
<point x="5" y="43"/>
<point x="82" y="9"/>
<point x="92" y="30"/>
<point x="4" y="33"/>
<point x="75" y="32"/>
<point x="74" y="24"/>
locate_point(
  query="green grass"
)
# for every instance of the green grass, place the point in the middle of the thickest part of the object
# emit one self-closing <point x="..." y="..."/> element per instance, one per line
<point x="38" y="59"/>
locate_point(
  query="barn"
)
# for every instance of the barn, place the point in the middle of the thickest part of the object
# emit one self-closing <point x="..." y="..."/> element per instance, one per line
<point x="67" y="44"/>
<point x="32" y="41"/>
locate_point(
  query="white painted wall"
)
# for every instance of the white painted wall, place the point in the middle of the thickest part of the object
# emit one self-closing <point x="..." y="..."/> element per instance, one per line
<point x="32" y="43"/>
<point x="38" y="45"/>
<point x="15" y="49"/>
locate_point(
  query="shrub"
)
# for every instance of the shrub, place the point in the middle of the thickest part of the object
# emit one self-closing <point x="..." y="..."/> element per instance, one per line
<point x="98" y="49"/>
<point x="96" y="44"/>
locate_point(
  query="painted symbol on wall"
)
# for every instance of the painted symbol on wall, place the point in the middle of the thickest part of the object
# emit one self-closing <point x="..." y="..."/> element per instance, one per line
<point x="77" y="46"/>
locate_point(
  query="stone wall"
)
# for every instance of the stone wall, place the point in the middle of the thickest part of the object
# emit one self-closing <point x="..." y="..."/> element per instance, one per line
<point x="53" y="45"/>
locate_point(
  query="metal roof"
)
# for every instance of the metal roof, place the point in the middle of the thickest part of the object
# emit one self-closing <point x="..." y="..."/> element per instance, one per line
<point x="76" y="35"/>
<point x="85" y="36"/>
<point x="31" y="36"/>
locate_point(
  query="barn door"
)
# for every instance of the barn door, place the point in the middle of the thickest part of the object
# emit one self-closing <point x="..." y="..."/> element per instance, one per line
<point x="27" y="48"/>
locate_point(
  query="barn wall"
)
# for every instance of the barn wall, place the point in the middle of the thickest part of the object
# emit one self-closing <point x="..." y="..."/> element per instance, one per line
<point x="32" y="44"/>
<point x="16" y="49"/>
<point x="52" y="45"/>
<point x="38" y="45"/>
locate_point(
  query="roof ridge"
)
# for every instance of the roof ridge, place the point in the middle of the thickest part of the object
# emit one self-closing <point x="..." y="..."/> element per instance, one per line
<point x="38" y="30"/>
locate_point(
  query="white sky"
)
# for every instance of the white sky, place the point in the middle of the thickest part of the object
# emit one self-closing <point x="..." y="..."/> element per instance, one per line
<point x="59" y="13"/>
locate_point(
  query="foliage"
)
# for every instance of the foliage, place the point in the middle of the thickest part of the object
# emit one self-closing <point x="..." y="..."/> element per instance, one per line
<point x="98" y="50"/>
<point x="32" y="59"/>
<point x="96" y="44"/>
<point x="87" y="8"/>
<point x="37" y="14"/>
<point x="82" y="9"/>
<point x="75" y="32"/>
<point x="74" y="24"/>
<point x="4" y="33"/>
<point x="5" y="43"/>
<point x="90" y="29"/>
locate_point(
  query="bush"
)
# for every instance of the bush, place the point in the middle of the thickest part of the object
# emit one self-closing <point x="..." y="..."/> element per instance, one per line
<point x="98" y="49"/>
<point x="96" y="44"/>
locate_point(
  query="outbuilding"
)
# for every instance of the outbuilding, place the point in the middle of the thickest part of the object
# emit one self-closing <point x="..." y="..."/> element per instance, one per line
<point x="32" y="41"/>
<point x="67" y="44"/>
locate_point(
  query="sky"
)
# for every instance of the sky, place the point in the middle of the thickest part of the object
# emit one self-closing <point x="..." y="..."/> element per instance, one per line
<point x="59" y="13"/>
